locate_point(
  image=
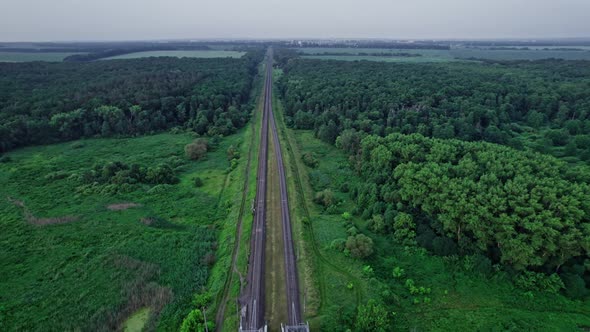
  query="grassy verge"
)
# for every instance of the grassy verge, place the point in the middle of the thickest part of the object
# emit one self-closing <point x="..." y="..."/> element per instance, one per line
<point x="226" y="277"/>
<point x="236" y="240"/>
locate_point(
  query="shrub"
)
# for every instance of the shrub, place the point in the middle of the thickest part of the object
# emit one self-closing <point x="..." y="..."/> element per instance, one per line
<point x="197" y="149"/>
<point x="310" y="160"/>
<point x="359" y="246"/>
<point x="319" y="180"/>
<point x="346" y="216"/>
<point x="232" y="153"/>
<point x="162" y="174"/>
<point x="368" y="271"/>
<point x="575" y="287"/>
<point x="325" y="198"/>
<point x="118" y="173"/>
<point x="373" y="317"/>
<point x="444" y="246"/>
<point x="398" y="272"/>
<point x="345" y="187"/>
<point x="195" y="322"/>
<point x="404" y="228"/>
<point x="77" y="145"/>
<point x="376" y="224"/>
<point x="482" y="265"/>
<point x="198" y="182"/>
<point x="535" y="281"/>
<point x="352" y="231"/>
<point x="338" y="244"/>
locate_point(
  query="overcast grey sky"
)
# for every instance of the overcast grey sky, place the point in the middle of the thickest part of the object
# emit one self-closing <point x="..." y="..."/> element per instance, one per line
<point x="43" y="20"/>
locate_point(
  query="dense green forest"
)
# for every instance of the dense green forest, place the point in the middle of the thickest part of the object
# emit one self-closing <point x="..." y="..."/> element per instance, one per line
<point x="457" y="157"/>
<point x="525" y="210"/>
<point x="544" y="105"/>
<point x="44" y="103"/>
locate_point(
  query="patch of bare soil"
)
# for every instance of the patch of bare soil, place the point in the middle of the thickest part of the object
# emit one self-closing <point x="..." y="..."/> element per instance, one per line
<point x="32" y="219"/>
<point x="122" y="206"/>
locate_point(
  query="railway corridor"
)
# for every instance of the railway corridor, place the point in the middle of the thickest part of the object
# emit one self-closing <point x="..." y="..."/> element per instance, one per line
<point x="271" y="295"/>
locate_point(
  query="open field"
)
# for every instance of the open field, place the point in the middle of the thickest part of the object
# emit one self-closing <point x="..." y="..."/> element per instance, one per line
<point x="455" y="54"/>
<point x="32" y="56"/>
<point x="152" y="248"/>
<point x="179" y="54"/>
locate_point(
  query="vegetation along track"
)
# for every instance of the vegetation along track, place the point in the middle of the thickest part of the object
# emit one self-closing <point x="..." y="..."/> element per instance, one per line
<point x="309" y="225"/>
<point x="220" y="315"/>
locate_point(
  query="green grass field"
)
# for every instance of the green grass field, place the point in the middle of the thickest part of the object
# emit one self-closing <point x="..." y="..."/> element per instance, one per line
<point x="455" y="54"/>
<point x="180" y="54"/>
<point x="104" y="264"/>
<point x="29" y="56"/>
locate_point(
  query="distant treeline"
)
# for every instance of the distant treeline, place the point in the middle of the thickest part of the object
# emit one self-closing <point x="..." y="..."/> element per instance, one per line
<point x="514" y="43"/>
<point x="120" y="51"/>
<point x="99" y="47"/>
<point x="380" y="54"/>
<point x="375" y="44"/>
<point x="527" y="49"/>
<point x="42" y="103"/>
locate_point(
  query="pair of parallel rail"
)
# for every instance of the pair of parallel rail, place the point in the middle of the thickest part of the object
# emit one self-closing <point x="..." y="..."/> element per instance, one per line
<point x="253" y="298"/>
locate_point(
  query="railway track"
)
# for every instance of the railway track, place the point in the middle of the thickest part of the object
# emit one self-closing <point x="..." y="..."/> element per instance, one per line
<point x="252" y="300"/>
<point x="252" y="312"/>
<point x="292" y="282"/>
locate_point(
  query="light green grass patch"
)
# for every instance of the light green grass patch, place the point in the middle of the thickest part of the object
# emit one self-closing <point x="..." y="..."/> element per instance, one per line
<point x="137" y="321"/>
